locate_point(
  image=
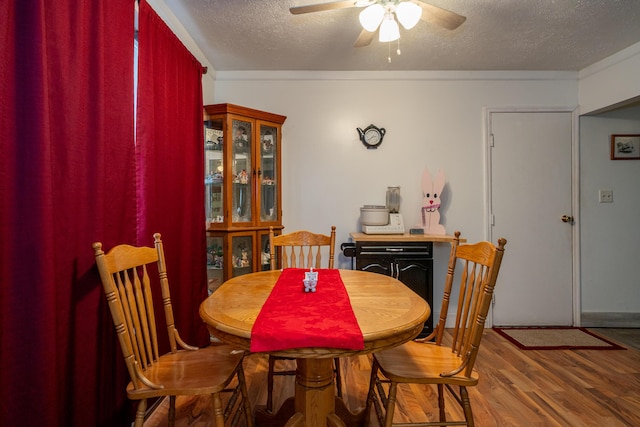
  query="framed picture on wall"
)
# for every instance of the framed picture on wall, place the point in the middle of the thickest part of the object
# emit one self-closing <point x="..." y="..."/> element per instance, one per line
<point x="625" y="147"/>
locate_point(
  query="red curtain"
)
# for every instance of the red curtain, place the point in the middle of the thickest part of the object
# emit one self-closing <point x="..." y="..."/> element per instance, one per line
<point x="67" y="179"/>
<point x="170" y="161"/>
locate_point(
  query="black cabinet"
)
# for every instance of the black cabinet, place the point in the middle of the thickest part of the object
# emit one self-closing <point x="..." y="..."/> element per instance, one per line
<point x="409" y="262"/>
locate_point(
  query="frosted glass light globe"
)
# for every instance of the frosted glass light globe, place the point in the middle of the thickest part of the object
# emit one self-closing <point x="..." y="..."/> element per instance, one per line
<point x="371" y="17"/>
<point x="408" y="14"/>
<point x="389" y="30"/>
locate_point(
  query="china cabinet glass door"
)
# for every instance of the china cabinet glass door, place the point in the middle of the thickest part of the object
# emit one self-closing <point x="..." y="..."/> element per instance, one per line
<point x="268" y="173"/>
<point x="265" y="251"/>
<point x="242" y="167"/>
<point x="215" y="262"/>
<point x="214" y="155"/>
<point x="242" y="254"/>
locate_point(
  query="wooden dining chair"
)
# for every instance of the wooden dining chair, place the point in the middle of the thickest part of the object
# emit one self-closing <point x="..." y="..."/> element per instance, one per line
<point x="129" y="284"/>
<point x="424" y="361"/>
<point x="299" y="249"/>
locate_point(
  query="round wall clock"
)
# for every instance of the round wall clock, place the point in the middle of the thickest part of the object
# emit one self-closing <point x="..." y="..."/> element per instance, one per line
<point x="371" y="136"/>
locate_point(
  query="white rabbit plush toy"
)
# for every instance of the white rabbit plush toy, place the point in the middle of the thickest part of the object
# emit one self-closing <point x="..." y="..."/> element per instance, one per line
<point x="431" y="191"/>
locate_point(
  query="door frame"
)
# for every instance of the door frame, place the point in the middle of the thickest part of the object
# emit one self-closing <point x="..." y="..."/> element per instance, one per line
<point x="575" y="191"/>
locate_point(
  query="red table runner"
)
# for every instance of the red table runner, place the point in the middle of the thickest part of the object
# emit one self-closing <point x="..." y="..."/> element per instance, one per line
<point x="292" y="318"/>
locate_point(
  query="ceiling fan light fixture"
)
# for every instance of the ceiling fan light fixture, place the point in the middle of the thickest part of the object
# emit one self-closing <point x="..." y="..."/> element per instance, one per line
<point x="389" y="30"/>
<point x="408" y="14"/>
<point x="371" y="17"/>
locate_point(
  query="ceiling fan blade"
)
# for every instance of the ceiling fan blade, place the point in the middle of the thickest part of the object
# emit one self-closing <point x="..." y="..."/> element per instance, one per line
<point x="442" y="17"/>
<point x="332" y="5"/>
<point x="364" y="39"/>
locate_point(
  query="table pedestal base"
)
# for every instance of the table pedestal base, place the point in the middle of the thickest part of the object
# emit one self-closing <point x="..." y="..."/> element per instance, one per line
<point x="314" y="404"/>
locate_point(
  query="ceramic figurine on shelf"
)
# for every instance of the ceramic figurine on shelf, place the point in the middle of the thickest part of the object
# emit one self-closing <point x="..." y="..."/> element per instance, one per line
<point x="265" y="258"/>
<point x="244" y="262"/>
<point x="431" y="190"/>
<point x="244" y="177"/>
<point x="241" y="139"/>
<point x="218" y="261"/>
<point x="267" y="142"/>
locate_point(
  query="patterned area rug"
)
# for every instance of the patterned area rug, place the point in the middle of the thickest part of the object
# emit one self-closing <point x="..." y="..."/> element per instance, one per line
<point x="553" y="338"/>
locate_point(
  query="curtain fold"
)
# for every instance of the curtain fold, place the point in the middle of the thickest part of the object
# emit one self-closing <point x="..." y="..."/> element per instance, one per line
<point x="67" y="179"/>
<point x="170" y="162"/>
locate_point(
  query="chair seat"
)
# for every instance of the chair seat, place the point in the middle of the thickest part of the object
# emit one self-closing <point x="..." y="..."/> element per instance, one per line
<point x="422" y="363"/>
<point x="204" y="371"/>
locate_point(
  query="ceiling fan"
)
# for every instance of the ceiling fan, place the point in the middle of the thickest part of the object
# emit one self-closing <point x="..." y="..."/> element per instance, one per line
<point x="381" y="15"/>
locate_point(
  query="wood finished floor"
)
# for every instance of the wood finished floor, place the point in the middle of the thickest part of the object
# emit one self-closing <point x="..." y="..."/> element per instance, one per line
<point x="517" y="388"/>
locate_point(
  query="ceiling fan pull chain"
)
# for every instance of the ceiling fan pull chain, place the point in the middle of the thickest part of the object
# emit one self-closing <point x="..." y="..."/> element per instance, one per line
<point x="398" y="51"/>
<point x="389" y="55"/>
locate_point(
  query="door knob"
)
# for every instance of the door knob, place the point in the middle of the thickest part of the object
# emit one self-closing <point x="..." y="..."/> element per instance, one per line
<point x="567" y="218"/>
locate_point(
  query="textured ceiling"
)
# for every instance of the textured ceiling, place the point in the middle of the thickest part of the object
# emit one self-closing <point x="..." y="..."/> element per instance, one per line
<point x="560" y="35"/>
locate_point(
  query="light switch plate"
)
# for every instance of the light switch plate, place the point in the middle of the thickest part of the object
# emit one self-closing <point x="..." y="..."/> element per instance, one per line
<point x="605" y="196"/>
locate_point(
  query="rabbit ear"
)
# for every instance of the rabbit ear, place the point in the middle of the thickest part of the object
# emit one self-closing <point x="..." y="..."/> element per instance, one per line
<point x="427" y="185"/>
<point x="438" y="185"/>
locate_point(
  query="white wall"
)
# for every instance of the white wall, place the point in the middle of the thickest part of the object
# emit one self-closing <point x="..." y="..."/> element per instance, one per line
<point x="433" y="120"/>
<point x="610" y="232"/>
<point x="611" y="81"/>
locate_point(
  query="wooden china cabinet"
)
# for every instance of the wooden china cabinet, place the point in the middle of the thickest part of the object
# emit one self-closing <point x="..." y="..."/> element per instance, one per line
<point x="243" y="195"/>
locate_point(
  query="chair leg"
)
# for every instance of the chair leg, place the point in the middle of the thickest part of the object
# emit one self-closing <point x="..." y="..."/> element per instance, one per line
<point x="245" y="398"/>
<point x="391" y="405"/>
<point x="466" y="406"/>
<point x="371" y="394"/>
<point x="443" y="415"/>
<point x="272" y="363"/>
<point x="218" y="412"/>
<point x="336" y="363"/>
<point x="142" y="408"/>
<point x="172" y="411"/>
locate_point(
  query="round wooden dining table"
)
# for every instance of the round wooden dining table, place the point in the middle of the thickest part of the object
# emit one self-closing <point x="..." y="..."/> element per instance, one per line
<point x="387" y="311"/>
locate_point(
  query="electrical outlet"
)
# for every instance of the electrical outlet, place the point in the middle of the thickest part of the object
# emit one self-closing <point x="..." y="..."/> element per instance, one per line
<point x="605" y="196"/>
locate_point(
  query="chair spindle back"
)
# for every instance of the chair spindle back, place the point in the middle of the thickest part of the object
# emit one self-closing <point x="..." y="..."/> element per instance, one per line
<point x="301" y="249"/>
<point x="480" y="266"/>
<point x="480" y="263"/>
<point x="127" y="286"/>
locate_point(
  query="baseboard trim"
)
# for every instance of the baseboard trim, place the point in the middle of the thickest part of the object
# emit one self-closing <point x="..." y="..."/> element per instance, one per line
<point x="610" y="320"/>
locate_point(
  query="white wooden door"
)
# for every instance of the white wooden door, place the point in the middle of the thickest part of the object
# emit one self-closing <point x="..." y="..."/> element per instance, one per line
<point x="530" y="176"/>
